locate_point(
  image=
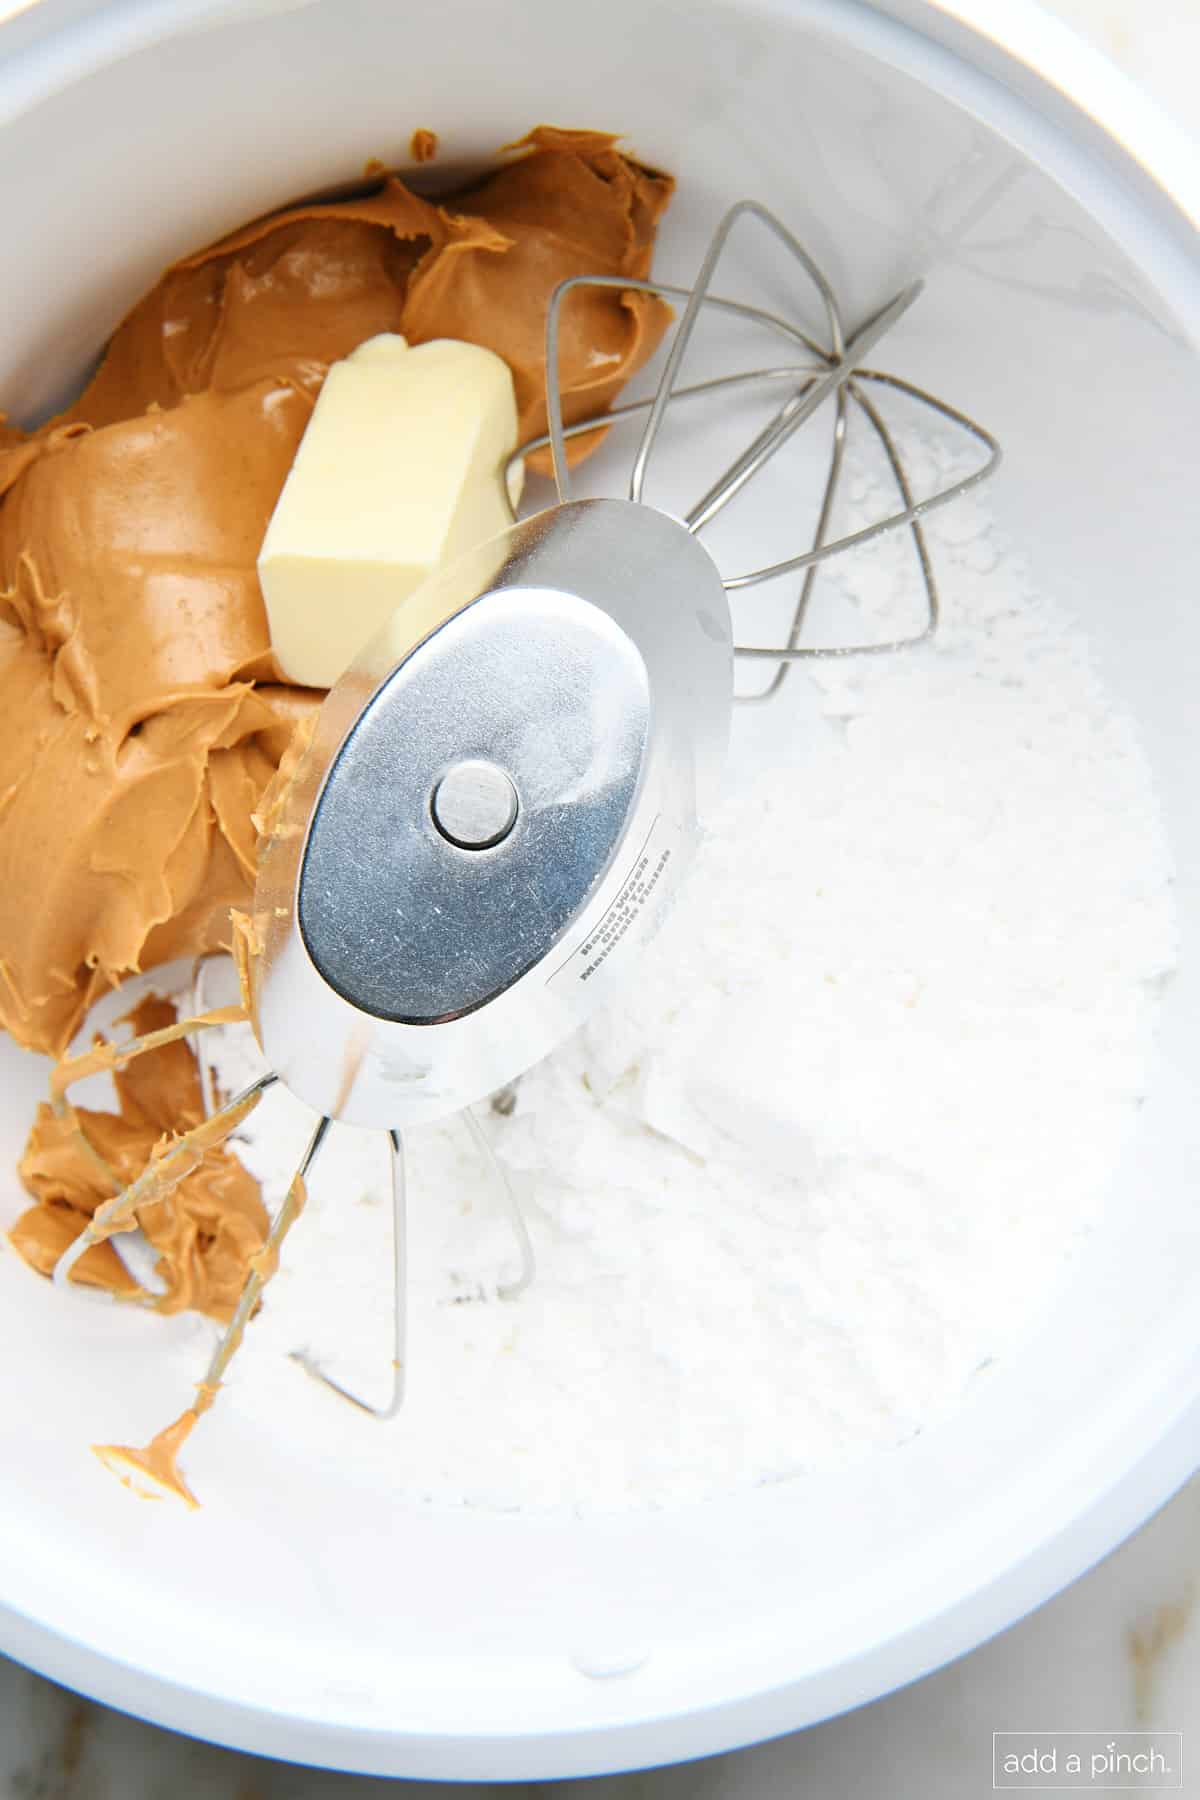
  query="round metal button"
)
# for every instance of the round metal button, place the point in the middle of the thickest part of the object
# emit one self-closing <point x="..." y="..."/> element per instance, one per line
<point x="474" y="805"/>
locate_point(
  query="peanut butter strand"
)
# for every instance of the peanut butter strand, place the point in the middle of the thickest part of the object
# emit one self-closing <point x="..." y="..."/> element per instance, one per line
<point x="157" y="1459"/>
<point x="171" y="1163"/>
<point x="105" y="1057"/>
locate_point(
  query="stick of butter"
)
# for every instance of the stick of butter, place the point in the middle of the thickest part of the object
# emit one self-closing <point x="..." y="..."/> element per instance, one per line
<point x="399" y="469"/>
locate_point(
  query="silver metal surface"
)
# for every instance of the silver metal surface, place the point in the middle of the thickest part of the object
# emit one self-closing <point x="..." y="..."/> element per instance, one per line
<point x="797" y="411"/>
<point x="309" y="1364"/>
<point x="587" y="653"/>
<point x="832" y="368"/>
<point x="410" y="927"/>
<point x="474" y="805"/>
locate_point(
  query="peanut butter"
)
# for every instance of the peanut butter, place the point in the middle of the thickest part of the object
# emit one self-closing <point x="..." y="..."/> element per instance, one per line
<point x="146" y="736"/>
<point x="141" y="714"/>
<point x="207" y="1223"/>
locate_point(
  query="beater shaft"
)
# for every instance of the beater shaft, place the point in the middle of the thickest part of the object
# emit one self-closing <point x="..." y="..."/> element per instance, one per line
<point x="509" y="1290"/>
<point x="263" y="1266"/>
<point x="399" y="1301"/>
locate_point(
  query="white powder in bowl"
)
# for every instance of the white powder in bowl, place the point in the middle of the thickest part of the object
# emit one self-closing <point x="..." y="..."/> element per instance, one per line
<point x="830" y="1153"/>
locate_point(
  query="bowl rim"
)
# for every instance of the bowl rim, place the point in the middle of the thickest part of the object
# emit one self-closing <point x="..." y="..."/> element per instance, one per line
<point x="1032" y="78"/>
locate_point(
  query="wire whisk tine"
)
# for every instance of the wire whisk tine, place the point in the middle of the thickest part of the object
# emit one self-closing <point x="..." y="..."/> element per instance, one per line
<point x="508" y="1290"/>
<point x="797" y="412"/>
<point x="788" y="655"/>
<point x="698" y="298"/>
<point x="834" y="370"/>
<point x="311" y="1367"/>
<point x="199" y="1040"/>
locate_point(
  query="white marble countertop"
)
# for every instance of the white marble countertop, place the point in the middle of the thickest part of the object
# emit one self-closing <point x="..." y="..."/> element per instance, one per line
<point x="1119" y="1650"/>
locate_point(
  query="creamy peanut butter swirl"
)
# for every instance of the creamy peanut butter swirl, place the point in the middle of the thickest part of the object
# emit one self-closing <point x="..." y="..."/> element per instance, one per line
<point x="141" y="712"/>
<point x="142" y="716"/>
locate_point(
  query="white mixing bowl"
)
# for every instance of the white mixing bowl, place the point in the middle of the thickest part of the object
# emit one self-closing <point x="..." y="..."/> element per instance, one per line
<point x="299" y="1613"/>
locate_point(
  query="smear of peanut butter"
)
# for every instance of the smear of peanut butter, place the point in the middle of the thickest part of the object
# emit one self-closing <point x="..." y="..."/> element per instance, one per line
<point x="572" y="206"/>
<point x="152" y="1469"/>
<point x="141" y="715"/>
<point x="423" y="145"/>
<point x="147" y="743"/>
<point x="198" y="1208"/>
<point x="172" y="1160"/>
<point x="119" y="854"/>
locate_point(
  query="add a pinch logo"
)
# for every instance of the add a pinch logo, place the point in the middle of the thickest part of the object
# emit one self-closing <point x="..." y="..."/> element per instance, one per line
<point x="1099" y="1761"/>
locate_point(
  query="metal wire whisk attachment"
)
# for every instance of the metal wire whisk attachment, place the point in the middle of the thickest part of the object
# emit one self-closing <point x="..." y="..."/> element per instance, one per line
<point x="594" y="617"/>
<point x="832" y="370"/>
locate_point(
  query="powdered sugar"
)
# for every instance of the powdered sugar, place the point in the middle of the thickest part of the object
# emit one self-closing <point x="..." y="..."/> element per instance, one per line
<point x="829" y="1154"/>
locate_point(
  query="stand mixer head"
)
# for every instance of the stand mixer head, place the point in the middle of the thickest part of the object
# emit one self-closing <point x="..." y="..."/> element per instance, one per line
<point x="506" y="789"/>
<point x="498" y="804"/>
<point x="503" y="793"/>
